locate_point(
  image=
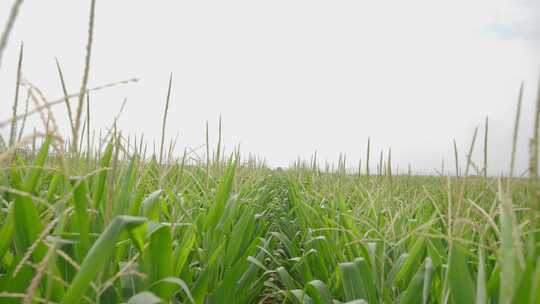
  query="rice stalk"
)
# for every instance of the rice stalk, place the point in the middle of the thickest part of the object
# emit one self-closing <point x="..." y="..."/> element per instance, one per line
<point x="66" y="95"/>
<point x="13" y="131"/>
<point x="456" y="158"/>
<point x="516" y="131"/>
<point x="50" y="104"/>
<point x="486" y="148"/>
<point x="88" y="147"/>
<point x="164" y="121"/>
<point x="14" y="12"/>
<point x="367" y="157"/>
<point x="86" y="74"/>
<point x="23" y="124"/>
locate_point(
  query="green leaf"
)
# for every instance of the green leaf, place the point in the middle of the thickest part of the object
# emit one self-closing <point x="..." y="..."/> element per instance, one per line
<point x="535" y="296"/>
<point x="6" y="232"/>
<point x="428" y="276"/>
<point x="99" y="256"/>
<point x="461" y="284"/>
<point x="32" y="178"/>
<point x="159" y="260"/>
<point x="481" y="292"/>
<point x="222" y="197"/>
<point x="419" y="287"/>
<point x="177" y="284"/>
<point x="391" y="277"/>
<point x="367" y="279"/>
<point x="182" y="251"/>
<point x="412" y="262"/>
<point x="98" y="187"/>
<point x="352" y="282"/>
<point x="80" y="197"/>
<point x="144" y="297"/>
<point x="122" y="199"/>
<point x="318" y="292"/>
<point x="150" y="205"/>
<point x="300" y="296"/>
<point x="508" y="251"/>
<point x="286" y="278"/>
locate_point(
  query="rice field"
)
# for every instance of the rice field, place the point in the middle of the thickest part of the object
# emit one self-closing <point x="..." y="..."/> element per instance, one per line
<point x="113" y="226"/>
<point x="108" y="221"/>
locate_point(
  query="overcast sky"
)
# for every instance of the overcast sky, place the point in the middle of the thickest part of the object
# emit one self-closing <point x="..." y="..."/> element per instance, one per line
<point x="291" y="77"/>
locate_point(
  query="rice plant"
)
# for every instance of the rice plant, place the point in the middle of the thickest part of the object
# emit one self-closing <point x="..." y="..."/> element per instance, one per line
<point x="108" y="222"/>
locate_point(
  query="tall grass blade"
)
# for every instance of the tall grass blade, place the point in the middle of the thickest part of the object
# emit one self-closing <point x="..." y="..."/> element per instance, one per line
<point x="98" y="257"/>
